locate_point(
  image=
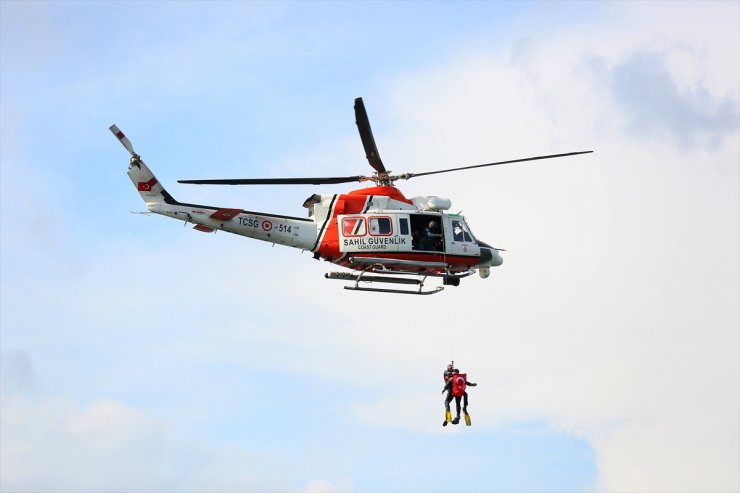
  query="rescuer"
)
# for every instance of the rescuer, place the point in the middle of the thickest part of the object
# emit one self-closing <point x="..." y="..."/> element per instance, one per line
<point x="455" y="386"/>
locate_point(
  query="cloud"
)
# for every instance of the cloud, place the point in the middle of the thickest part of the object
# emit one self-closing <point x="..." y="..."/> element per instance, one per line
<point x="405" y="408"/>
<point x="17" y="374"/>
<point x="654" y="103"/>
<point x="325" y="486"/>
<point x="51" y="444"/>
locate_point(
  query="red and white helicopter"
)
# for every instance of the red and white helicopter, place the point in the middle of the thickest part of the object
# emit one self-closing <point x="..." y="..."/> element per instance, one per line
<point x="375" y="231"/>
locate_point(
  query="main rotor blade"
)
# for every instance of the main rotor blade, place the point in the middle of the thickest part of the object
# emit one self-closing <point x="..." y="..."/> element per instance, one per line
<point x="277" y="181"/>
<point x="411" y="175"/>
<point x="366" y="134"/>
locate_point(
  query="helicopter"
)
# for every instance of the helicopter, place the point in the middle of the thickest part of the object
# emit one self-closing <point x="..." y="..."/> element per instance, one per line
<point x="376" y="232"/>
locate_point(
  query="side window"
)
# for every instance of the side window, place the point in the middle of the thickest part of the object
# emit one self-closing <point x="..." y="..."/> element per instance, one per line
<point x="353" y="226"/>
<point x="380" y="226"/>
<point x="403" y="226"/>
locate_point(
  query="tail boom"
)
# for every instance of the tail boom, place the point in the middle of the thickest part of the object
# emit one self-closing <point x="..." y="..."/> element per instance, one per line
<point x="284" y="230"/>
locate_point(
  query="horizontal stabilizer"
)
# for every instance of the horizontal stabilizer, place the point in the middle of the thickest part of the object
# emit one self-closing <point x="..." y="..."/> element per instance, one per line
<point x="226" y="214"/>
<point x="205" y="229"/>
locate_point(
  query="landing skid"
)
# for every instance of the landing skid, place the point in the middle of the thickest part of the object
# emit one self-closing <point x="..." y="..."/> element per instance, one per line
<point x="345" y="276"/>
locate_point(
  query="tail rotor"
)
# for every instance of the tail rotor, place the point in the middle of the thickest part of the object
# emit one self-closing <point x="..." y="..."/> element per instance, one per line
<point x="124" y="140"/>
<point x="142" y="177"/>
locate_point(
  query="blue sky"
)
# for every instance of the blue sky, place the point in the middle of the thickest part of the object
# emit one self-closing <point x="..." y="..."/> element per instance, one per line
<point x="140" y="355"/>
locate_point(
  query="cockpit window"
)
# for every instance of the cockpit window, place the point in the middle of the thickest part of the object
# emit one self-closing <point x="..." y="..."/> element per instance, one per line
<point x="460" y="231"/>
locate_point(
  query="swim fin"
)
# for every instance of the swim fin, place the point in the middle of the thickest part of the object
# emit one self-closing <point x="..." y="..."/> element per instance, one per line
<point x="448" y="416"/>
<point x="467" y="419"/>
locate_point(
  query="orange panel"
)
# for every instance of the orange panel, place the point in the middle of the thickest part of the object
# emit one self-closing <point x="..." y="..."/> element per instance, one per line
<point x="205" y="229"/>
<point x="226" y="214"/>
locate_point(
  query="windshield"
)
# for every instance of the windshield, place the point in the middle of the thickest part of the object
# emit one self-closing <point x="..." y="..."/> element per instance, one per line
<point x="460" y="230"/>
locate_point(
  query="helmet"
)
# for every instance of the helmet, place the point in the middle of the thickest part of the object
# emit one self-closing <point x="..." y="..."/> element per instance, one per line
<point x="432" y="224"/>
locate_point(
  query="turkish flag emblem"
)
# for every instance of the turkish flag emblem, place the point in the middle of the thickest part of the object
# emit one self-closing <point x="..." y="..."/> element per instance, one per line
<point x="146" y="186"/>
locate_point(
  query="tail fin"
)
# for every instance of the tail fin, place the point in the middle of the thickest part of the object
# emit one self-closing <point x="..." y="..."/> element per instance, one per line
<point x="146" y="183"/>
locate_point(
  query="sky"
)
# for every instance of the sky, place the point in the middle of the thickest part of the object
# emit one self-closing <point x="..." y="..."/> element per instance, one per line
<point x="140" y="355"/>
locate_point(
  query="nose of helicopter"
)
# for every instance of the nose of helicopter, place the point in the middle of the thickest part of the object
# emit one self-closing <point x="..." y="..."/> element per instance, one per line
<point x="489" y="256"/>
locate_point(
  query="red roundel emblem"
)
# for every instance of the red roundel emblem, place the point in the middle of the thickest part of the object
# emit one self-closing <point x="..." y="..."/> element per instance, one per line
<point x="266" y="225"/>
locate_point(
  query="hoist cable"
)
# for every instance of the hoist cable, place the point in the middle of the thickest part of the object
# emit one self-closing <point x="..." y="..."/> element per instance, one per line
<point x="449" y="313"/>
<point x="449" y="326"/>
